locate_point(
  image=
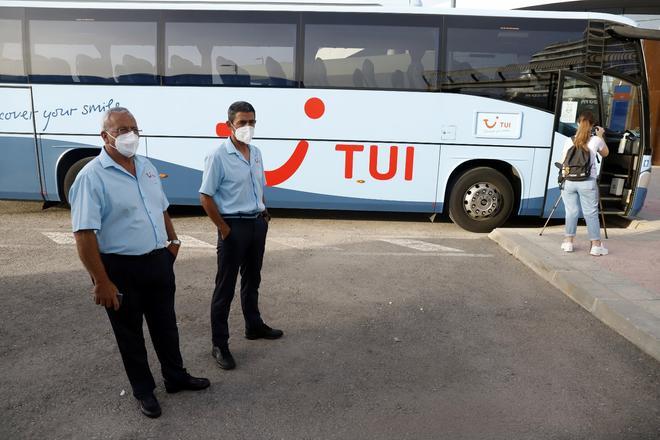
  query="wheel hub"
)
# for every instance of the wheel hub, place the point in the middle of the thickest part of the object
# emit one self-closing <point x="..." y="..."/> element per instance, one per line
<point x="482" y="200"/>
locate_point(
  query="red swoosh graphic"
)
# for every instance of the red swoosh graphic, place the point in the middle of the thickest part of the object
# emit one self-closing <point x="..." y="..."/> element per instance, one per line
<point x="283" y="173"/>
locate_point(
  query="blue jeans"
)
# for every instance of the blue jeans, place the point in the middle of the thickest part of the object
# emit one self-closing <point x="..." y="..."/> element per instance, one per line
<point x="586" y="194"/>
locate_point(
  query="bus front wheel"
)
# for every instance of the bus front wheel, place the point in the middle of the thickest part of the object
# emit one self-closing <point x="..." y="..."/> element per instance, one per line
<point x="71" y="174"/>
<point x="481" y="200"/>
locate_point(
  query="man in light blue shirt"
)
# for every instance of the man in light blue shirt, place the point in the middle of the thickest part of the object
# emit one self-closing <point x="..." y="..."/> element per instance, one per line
<point x="122" y="229"/>
<point x="232" y="196"/>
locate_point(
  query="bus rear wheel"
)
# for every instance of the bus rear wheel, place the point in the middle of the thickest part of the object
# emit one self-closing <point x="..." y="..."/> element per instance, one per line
<point x="481" y="200"/>
<point x="71" y="174"/>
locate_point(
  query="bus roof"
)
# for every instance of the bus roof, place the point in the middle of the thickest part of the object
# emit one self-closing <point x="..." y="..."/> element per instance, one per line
<point x="366" y="6"/>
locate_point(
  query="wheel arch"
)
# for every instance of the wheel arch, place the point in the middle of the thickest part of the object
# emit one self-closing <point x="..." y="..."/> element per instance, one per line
<point x="507" y="169"/>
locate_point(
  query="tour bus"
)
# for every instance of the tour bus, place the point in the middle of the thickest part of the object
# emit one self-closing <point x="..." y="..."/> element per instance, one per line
<point x="358" y="108"/>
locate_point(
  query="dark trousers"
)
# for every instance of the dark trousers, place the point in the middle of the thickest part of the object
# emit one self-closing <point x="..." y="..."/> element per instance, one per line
<point x="147" y="285"/>
<point x="242" y="250"/>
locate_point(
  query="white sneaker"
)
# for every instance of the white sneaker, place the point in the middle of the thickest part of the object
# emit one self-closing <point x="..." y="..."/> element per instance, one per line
<point x="598" y="250"/>
<point x="567" y="246"/>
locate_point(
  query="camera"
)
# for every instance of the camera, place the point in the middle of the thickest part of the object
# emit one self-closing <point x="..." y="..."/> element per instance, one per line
<point x="594" y="130"/>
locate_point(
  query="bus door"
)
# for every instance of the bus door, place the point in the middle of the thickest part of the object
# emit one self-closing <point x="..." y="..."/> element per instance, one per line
<point x="20" y="175"/>
<point x="626" y="172"/>
<point x="576" y="94"/>
<point x="630" y="157"/>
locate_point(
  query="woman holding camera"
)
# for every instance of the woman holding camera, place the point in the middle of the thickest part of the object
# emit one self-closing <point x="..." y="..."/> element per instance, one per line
<point x="588" y="137"/>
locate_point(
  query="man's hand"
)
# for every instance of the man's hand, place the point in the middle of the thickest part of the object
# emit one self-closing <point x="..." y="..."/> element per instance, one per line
<point x="105" y="294"/>
<point x="174" y="249"/>
<point x="225" y="230"/>
<point x="266" y="215"/>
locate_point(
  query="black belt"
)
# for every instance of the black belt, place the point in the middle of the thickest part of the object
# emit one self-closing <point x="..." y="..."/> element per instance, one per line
<point x="245" y="216"/>
<point x="154" y="252"/>
<point x="148" y="254"/>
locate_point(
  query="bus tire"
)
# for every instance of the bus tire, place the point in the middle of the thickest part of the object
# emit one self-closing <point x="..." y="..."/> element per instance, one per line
<point x="71" y="174"/>
<point x="481" y="200"/>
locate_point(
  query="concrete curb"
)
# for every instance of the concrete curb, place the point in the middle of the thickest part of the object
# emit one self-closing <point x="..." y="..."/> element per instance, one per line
<point x="622" y="315"/>
<point x="644" y="225"/>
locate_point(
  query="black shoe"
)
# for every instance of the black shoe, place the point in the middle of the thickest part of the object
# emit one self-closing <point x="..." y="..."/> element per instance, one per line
<point x="189" y="383"/>
<point x="263" y="332"/>
<point x="149" y="406"/>
<point x="224" y="358"/>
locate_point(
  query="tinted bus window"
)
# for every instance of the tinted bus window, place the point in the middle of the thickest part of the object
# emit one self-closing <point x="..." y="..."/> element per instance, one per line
<point x="227" y="53"/>
<point x="370" y="56"/>
<point x="11" y="47"/>
<point x="511" y="58"/>
<point x="101" y="48"/>
<point x="621" y="57"/>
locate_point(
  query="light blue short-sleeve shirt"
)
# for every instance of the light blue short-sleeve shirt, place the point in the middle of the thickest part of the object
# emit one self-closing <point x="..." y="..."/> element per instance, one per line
<point x="236" y="185"/>
<point x="125" y="211"/>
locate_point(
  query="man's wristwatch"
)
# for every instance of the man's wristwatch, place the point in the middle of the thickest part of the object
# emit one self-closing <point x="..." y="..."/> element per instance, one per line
<point x="176" y="242"/>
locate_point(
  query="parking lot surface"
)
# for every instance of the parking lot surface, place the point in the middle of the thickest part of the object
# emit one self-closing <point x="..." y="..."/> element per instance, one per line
<point x="395" y="328"/>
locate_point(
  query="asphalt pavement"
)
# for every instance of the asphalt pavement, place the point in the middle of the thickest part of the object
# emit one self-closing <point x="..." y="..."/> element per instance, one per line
<point x="622" y="289"/>
<point x="395" y="328"/>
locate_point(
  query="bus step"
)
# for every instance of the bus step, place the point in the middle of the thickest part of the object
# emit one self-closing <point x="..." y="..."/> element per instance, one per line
<point x="625" y="176"/>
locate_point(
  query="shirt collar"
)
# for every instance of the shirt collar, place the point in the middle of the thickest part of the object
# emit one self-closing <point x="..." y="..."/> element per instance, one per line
<point x="231" y="148"/>
<point x="107" y="162"/>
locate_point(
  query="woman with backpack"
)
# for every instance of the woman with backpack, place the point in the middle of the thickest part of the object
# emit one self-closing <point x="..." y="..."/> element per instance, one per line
<point x="580" y="186"/>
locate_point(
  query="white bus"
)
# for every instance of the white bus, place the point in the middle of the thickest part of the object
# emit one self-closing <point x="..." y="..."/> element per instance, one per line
<point x="358" y="108"/>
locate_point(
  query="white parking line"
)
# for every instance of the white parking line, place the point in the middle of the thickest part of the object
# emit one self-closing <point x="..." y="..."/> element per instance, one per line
<point x="420" y="245"/>
<point x="192" y="242"/>
<point x="425" y="249"/>
<point x="66" y="238"/>
<point x="61" y="237"/>
<point x="300" y="243"/>
<point x="459" y="254"/>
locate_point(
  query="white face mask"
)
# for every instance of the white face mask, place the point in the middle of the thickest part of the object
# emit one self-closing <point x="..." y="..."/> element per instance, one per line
<point x="244" y="134"/>
<point x="127" y="144"/>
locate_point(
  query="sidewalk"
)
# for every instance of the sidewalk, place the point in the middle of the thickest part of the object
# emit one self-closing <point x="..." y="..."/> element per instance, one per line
<point x="621" y="289"/>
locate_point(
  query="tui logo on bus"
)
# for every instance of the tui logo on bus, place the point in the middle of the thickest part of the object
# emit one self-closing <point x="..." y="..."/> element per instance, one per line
<point x="315" y="109"/>
<point x="498" y="125"/>
<point x="489" y="126"/>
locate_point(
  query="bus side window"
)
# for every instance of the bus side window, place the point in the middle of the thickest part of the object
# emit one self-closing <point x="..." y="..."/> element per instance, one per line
<point x="135" y="70"/>
<point x="55" y="70"/>
<point x="93" y="47"/>
<point x="415" y="72"/>
<point x="220" y="47"/>
<point x="509" y="58"/>
<point x="398" y="79"/>
<point x="371" y="55"/>
<point x="358" y="79"/>
<point x="11" y="50"/>
<point x="230" y="74"/>
<point x="183" y="71"/>
<point x="276" y="75"/>
<point x="316" y="74"/>
<point x="94" y="70"/>
<point x="369" y="73"/>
